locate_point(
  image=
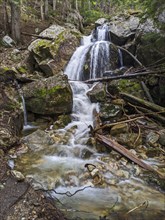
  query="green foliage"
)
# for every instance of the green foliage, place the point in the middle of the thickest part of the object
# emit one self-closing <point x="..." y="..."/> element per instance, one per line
<point x="90" y="16"/>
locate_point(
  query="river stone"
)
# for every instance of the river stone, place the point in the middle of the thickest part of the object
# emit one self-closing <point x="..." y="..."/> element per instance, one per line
<point x="119" y="128"/>
<point x="51" y="56"/>
<point x="162" y="137"/>
<point x="152" y="138"/>
<point x="109" y="111"/>
<point x="97" y="93"/>
<point x="49" y="96"/>
<point x="18" y="175"/>
<point x="130" y="140"/>
<point x="38" y="140"/>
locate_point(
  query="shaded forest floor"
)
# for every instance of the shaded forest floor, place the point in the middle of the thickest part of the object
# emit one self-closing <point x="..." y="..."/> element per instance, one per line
<point x="18" y="200"/>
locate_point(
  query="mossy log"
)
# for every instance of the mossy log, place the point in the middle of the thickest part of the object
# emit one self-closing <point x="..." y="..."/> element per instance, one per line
<point x="155" y="111"/>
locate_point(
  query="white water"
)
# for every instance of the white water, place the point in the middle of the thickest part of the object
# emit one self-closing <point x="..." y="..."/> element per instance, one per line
<point x="61" y="165"/>
<point x="120" y="58"/>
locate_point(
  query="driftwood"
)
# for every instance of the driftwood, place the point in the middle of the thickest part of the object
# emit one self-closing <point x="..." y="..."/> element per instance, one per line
<point x="127" y="76"/>
<point x="123" y="151"/>
<point x="37" y="36"/>
<point x="116" y="123"/>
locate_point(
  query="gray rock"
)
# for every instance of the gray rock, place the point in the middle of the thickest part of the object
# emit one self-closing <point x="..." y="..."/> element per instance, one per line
<point x="100" y="21"/>
<point x="162" y="137"/>
<point x="49" y="96"/>
<point x="8" y="41"/>
<point x="97" y="93"/>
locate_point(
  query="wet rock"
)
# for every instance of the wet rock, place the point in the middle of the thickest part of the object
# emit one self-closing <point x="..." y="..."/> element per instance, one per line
<point x="52" y="56"/>
<point x="132" y="87"/>
<point x="49" y="96"/>
<point x="120" y="128"/>
<point x="130" y="140"/>
<point x="109" y="111"/>
<point x="37" y="140"/>
<point x="18" y="175"/>
<point x="162" y="137"/>
<point x="62" y="121"/>
<point x="97" y="93"/>
<point x="122" y="173"/>
<point x="152" y="139"/>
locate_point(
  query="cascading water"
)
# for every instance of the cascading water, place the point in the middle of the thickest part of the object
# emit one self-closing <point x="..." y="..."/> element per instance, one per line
<point x="61" y="164"/>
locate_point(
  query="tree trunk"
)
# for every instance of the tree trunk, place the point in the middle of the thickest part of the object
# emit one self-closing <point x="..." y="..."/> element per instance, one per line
<point x="46" y="9"/>
<point x="5" y="17"/>
<point x="54" y="5"/>
<point x="42" y="10"/>
<point x="15" y="20"/>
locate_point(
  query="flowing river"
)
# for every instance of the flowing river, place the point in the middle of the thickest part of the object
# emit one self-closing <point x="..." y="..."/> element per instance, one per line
<point x="61" y="158"/>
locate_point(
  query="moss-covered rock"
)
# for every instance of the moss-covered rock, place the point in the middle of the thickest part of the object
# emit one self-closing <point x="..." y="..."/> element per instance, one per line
<point x="49" y="96"/>
<point x="57" y="52"/>
<point x="11" y="110"/>
<point x="129" y="86"/>
<point x="98" y="93"/>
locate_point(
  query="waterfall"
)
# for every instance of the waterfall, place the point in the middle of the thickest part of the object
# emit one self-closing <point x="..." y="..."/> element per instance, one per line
<point x="99" y="56"/>
<point x="120" y="58"/>
<point x="24" y="110"/>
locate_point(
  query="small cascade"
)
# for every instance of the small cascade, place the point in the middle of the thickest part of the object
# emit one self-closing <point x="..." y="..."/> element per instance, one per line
<point x="120" y="58"/>
<point x="102" y="33"/>
<point x="24" y="111"/>
<point x="99" y="54"/>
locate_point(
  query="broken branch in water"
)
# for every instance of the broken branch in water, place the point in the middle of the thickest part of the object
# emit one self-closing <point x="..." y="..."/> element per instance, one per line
<point x="123" y="151"/>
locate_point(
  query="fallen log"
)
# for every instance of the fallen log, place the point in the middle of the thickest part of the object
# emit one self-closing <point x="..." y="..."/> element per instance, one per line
<point x="143" y="103"/>
<point x="127" y="76"/>
<point x="123" y="151"/>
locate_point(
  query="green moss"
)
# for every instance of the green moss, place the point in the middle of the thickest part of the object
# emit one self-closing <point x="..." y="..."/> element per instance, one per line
<point x="44" y="92"/>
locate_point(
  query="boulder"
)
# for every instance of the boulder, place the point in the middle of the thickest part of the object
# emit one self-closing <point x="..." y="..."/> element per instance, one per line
<point x="123" y="29"/>
<point x="151" y="43"/>
<point x="49" y="96"/>
<point x="97" y="93"/>
<point x="100" y="22"/>
<point x="110" y="112"/>
<point x="51" y="56"/>
<point x="130" y="86"/>
<point x="11" y="110"/>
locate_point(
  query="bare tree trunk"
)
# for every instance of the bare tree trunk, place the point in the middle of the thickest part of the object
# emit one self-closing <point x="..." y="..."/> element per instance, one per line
<point x="54" y="5"/>
<point x="15" y="20"/>
<point x="42" y="10"/>
<point x="46" y="9"/>
<point x="5" y="17"/>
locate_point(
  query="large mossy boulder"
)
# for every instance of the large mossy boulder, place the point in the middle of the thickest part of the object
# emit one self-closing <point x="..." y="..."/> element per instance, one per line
<point x="51" y="56"/>
<point x="130" y="86"/>
<point x="51" y="96"/>
<point x="150" y="43"/>
<point x="11" y="110"/>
